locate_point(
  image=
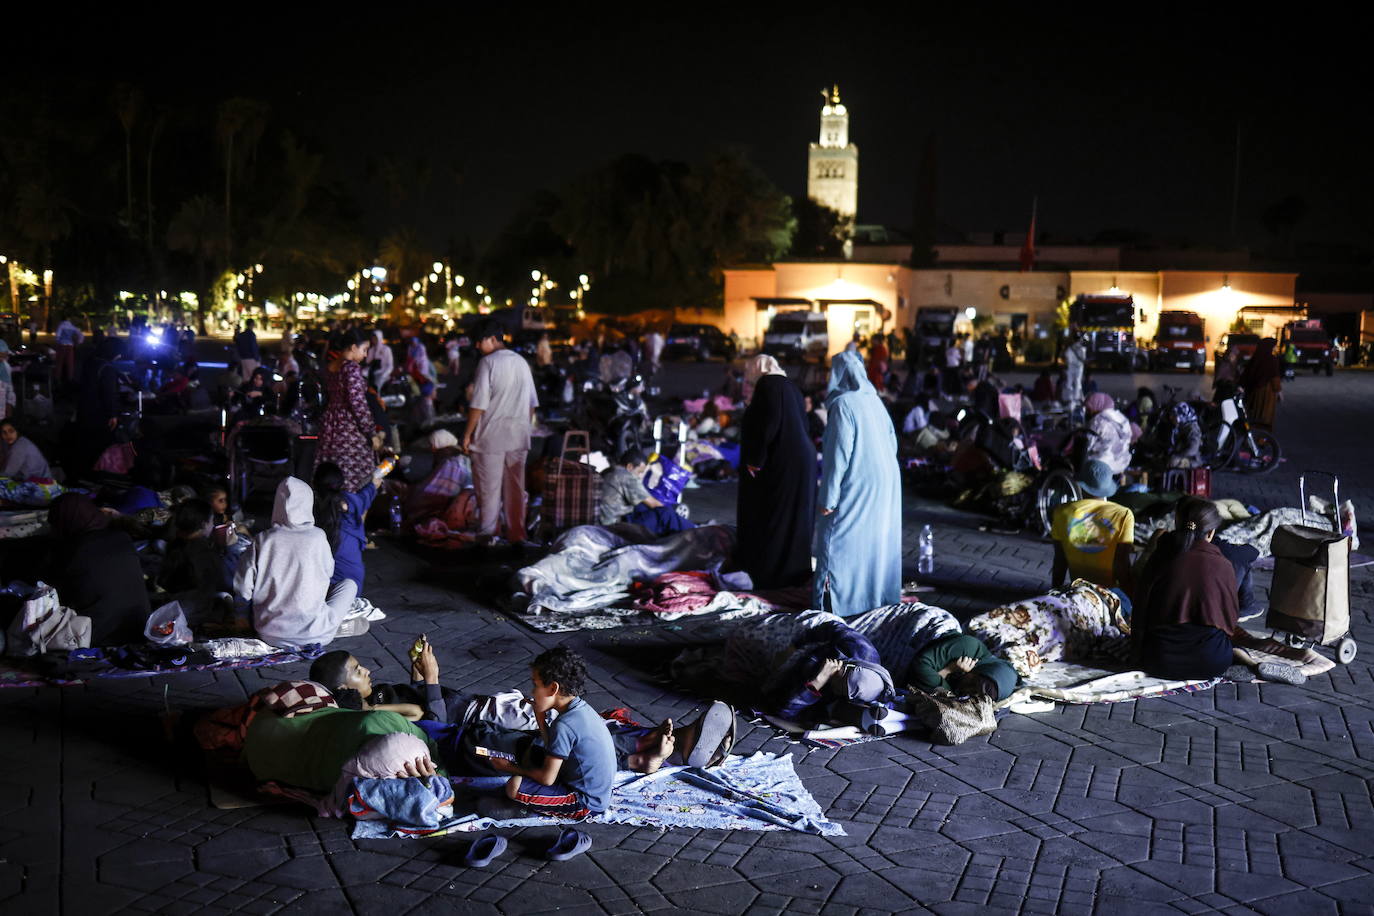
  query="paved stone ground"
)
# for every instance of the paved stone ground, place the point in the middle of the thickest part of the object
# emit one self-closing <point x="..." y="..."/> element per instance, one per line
<point x="1246" y="799"/>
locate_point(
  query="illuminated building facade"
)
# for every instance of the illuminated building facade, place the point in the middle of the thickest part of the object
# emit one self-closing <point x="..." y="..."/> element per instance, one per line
<point x="832" y="176"/>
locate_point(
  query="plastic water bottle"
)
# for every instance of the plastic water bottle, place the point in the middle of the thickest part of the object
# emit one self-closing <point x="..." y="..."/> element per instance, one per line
<point x="925" y="555"/>
<point x="395" y="514"/>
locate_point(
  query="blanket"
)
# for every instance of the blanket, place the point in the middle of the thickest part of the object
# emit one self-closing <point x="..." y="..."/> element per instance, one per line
<point x="728" y="607"/>
<point x="23" y="523"/>
<point x="1104" y="687"/>
<point x="900" y="631"/>
<point x="1083" y="622"/>
<point x="660" y="800"/>
<point x="591" y="567"/>
<point x="32" y="493"/>
<point x="81" y="665"/>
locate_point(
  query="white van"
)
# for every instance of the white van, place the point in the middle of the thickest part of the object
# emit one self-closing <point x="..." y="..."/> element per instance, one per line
<point x="797" y="336"/>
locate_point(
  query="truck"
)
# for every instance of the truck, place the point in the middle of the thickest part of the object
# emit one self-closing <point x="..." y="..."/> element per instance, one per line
<point x="1179" y="343"/>
<point x="935" y="331"/>
<point x="1107" y="323"/>
<point x="1313" y="344"/>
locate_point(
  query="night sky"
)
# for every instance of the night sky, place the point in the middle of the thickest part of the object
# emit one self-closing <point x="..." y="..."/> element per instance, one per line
<point x="1113" y="124"/>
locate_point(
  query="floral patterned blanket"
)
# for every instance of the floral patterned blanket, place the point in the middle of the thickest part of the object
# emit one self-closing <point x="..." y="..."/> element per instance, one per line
<point x="1081" y="623"/>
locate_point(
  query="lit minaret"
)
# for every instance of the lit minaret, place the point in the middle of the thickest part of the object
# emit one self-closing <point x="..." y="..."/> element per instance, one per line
<point x="833" y="164"/>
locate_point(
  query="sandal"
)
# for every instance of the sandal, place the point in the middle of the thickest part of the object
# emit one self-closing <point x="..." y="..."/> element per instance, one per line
<point x="570" y="843"/>
<point x="482" y="851"/>
<point x="716" y="737"/>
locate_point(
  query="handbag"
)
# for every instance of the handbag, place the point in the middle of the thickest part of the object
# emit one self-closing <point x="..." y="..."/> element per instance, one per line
<point x="43" y="625"/>
<point x="952" y="720"/>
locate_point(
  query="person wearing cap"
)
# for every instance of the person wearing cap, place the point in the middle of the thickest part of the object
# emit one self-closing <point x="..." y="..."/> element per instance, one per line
<point x="500" y="416"/>
<point x="1093" y="537"/>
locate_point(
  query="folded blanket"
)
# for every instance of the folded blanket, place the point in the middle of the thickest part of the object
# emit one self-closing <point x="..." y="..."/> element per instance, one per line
<point x="406" y="805"/>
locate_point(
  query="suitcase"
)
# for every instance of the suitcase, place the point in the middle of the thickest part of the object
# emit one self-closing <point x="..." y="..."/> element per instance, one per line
<point x="572" y="488"/>
<point x="1309" y="599"/>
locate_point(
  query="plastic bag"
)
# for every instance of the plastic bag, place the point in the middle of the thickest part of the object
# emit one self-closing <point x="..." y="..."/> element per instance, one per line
<point x="43" y="624"/>
<point x="167" y="626"/>
<point x="665" y="480"/>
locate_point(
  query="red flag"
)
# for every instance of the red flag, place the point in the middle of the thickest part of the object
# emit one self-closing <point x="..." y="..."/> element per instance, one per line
<point x="1028" y="249"/>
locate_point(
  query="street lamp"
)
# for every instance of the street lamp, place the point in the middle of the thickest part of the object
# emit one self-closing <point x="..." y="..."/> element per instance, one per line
<point x="535" y="275"/>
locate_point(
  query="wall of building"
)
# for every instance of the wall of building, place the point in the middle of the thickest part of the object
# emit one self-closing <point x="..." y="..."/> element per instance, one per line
<point x="1203" y="292"/>
<point x="998" y="293"/>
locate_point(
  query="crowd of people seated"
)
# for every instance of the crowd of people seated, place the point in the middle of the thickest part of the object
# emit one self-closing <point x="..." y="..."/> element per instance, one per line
<point x="819" y="477"/>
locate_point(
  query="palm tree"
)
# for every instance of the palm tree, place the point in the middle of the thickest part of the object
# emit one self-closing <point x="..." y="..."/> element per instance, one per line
<point x="241" y="123"/>
<point x="195" y="230"/>
<point x="128" y="102"/>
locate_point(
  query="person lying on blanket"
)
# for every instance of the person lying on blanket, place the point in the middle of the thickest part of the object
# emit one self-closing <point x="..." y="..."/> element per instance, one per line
<point x="703" y="742"/>
<point x="832" y="673"/>
<point x="325" y="750"/>
<point x="963" y="665"/>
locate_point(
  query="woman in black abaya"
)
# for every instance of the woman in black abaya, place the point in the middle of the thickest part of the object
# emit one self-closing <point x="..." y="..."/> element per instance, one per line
<point x="777" y="482"/>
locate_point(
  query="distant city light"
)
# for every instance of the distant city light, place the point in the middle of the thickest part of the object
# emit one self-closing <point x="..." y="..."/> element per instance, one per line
<point x="437" y="266"/>
<point x="582" y="278"/>
<point x="970" y="313"/>
<point x="457" y="279"/>
<point x="379" y="274"/>
<point x="535" y="275"/>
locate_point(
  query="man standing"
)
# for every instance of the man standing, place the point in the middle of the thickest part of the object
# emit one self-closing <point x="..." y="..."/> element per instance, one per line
<point x="1075" y="355"/>
<point x="246" y="343"/>
<point x="500" y="414"/>
<point x="68" y="339"/>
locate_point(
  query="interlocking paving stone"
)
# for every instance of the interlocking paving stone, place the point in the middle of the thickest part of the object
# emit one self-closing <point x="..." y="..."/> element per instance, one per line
<point x="1250" y="798"/>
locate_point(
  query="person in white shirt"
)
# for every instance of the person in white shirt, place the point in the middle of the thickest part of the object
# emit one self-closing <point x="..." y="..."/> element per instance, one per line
<point x="500" y="415"/>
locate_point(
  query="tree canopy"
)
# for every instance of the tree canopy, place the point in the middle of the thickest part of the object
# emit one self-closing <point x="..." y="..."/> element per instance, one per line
<point x="652" y="234"/>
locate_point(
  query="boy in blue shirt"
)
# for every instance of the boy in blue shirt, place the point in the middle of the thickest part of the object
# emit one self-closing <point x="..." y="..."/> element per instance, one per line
<point x="573" y="776"/>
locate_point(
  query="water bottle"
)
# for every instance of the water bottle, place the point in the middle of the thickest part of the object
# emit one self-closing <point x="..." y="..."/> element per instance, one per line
<point x="395" y="514"/>
<point x="925" y="556"/>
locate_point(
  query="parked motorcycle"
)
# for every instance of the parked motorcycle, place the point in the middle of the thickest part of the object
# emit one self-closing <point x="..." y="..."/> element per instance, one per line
<point x="615" y="414"/>
<point x="1231" y="443"/>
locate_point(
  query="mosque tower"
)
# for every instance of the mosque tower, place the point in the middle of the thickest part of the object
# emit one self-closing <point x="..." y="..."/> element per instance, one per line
<point x="832" y="176"/>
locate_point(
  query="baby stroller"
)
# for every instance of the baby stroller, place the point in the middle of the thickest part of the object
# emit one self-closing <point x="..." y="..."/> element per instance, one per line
<point x="262" y="453"/>
<point x="1309" y="600"/>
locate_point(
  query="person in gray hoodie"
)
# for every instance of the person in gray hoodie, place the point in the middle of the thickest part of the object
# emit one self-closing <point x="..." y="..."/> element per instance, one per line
<point x="284" y="575"/>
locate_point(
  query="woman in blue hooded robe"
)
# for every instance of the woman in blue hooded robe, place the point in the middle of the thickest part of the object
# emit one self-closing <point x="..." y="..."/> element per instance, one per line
<point x="859" y="534"/>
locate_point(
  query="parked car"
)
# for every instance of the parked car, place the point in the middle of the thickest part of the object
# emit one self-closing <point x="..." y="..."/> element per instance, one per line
<point x="798" y="336"/>
<point x="697" y="341"/>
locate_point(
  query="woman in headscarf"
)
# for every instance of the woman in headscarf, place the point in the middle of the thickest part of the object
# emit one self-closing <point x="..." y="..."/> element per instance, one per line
<point x="349" y="426"/>
<point x="1263" y="385"/>
<point x="1109" y="433"/>
<point x="383" y="362"/>
<point x="1186" y="601"/>
<point x="859" y="534"/>
<point x="777" y="486"/>
<point x="96" y="571"/>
